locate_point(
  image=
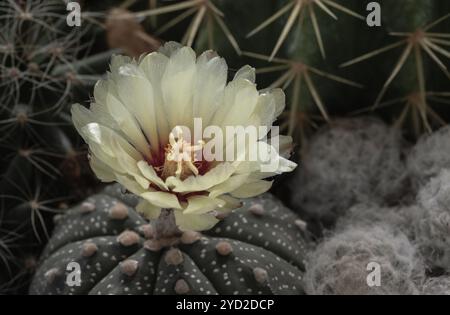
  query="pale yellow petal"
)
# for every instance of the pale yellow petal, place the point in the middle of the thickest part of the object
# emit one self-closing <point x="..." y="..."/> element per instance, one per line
<point x="162" y="199"/>
<point x="130" y="184"/>
<point x="264" y="114"/>
<point x="128" y="124"/>
<point x="280" y="101"/>
<point x="102" y="171"/>
<point x="177" y="87"/>
<point x="149" y="172"/>
<point x="148" y="210"/>
<point x="195" y="222"/>
<point x="229" y="185"/>
<point x="210" y="82"/>
<point x="154" y="66"/>
<point x="230" y="203"/>
<point x="217" y="175"/>
<point x="129" y="165"/>
<point x="118" y="61"/>
<point x="240" y="99"/>
<point x="101" y="90"/>
<point x="252" y="189"/>
<point x="169" y="48"/>
<point x="81" y="116"/>
<point x="202" y="204"/>
<point x="136" y="93"/>
<point x="102" y="143"/>
<point x="247" y="73"/>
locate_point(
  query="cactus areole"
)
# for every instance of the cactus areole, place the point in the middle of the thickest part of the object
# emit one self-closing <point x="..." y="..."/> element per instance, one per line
<point x="257" y="249"/>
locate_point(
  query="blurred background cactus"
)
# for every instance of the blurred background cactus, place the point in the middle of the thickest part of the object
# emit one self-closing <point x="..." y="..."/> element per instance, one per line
<point x="44" y="67"/>
<point x="322" y="52"/>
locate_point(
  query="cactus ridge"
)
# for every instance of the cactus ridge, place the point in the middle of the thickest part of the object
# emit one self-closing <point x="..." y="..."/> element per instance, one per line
<point x="295" y="74"/>
<point x="298" y="9"/>
<point x="118" y="253"/>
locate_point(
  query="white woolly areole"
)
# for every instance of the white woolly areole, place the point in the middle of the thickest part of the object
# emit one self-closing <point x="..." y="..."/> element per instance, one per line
<point x="432" y="228"/>
<point x="352" y="161"/>
<point x="339" y="265"/>
<point x="437" y="286"/>
<point x="429" y="156"/>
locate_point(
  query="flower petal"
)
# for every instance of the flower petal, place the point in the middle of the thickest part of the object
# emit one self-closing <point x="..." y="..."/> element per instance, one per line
<point x="101" y="170"/>
<point x="149" y="172"/>
<point x="129" y="165"/>
<point x="136" y="92"/>
<point x="154" y="66"/>
<point x="217" y="175"/>
<point x="210" y="82"/>
<point x="128" y="124"/>
<point x="251" y="189"/>
<point x="177" y="87"/>
<point x="81" y="116"/>
<point x="230" y="203"/>
<point x="162" y="199"/>
<point x="148" y="210"/>
<point x="195" y="222"/>
<point x="202" y="204"/>
<point x="229" y="185"/>
<point x="246" y="73"/>
<point x="240" y="99"/>
<point x="118" y="61"/>
<point x="169" y="48"/>
<point x="130" y="184"/>
<point x="280" y="101"/>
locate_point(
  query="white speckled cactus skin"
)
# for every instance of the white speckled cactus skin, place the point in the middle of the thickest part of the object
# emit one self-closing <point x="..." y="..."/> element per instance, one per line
<point x="259" y="249"/>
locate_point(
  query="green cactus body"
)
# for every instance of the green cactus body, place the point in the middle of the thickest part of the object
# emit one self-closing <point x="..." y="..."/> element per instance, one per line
<point x="258" y="249"/>
<point x="44" y="66"/>
<point x="397" y="80"/>
<point x="42" y="70"/>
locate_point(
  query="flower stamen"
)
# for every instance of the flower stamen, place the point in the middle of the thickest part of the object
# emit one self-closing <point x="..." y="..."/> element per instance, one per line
<point x="182" y="154"/>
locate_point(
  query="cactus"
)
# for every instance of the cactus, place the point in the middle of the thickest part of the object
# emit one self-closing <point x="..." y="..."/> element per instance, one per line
<point x="330" y="63"/>
<point x="41" y="74"/>
<point x="432" y="226"/>
<point x="437" y="286"/>
<point x="351" y="161"/>
<point x="296" y="73"/>
<point x="305" y="30"/>
<point x="44" y="66"/>
<point x="428" y="157"/>
<point x="419" y="51"/>
<point x="340" y="264"/>
<point x="258" y="249"/>
<point x="399" y="217"/>
<point x="299" y="11"/>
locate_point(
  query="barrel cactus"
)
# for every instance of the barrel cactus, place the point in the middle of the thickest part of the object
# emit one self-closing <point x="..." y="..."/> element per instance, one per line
<point x="172" y="228"/>
<point x="258" y="249"/>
